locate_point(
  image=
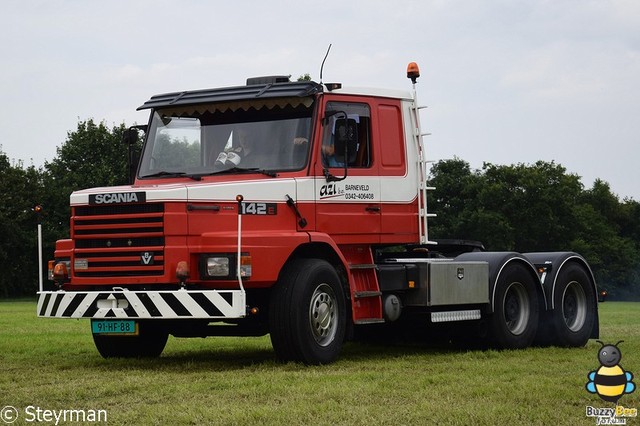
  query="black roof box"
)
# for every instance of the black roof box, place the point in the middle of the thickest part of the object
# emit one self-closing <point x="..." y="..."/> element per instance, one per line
<point x="268" y="79"/>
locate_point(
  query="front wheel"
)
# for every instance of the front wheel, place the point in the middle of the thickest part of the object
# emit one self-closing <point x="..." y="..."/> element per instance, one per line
<point x="149" y="343"/>
<point x="574" y="307"/>
<point x="515" y="318"/>
<point x="307" y="313"/>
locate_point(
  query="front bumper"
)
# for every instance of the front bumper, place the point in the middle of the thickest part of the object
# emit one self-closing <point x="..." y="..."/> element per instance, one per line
<point x="122" y="303"/>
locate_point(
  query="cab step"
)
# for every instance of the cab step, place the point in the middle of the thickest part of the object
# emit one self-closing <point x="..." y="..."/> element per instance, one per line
<point x="366" y="293"/>
<point x="363" y="321"/>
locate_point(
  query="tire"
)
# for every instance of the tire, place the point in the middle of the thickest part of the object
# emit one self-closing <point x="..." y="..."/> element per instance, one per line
<point x="514" y="322"/>
<point x="307" y="313"/>
<point x="149" y="343"/>
<point x="574" y="307"/>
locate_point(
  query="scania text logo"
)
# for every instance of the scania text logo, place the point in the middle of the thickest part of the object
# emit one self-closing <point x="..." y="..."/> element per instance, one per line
<point x="117" y="198"/>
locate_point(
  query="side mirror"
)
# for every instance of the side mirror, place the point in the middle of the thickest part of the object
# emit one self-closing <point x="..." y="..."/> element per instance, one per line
<point x="130" y="138"/>
<point x="130" y="135"/>
<point x="346" y="140"/>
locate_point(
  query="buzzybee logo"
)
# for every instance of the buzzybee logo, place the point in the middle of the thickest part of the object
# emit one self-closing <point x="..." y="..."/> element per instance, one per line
<point x="610" y="382"/>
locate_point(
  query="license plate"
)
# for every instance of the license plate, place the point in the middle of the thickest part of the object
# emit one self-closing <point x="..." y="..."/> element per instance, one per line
<point x="114" y="327"/>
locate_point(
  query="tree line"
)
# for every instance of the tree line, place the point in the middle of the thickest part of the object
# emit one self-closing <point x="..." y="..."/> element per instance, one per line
<point x="522" y="207"/>
<point x="92" y="155"/>
<point x="540" y="207"/>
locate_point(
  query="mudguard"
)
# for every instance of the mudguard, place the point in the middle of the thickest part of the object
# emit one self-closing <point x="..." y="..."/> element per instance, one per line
<point x="497" y="261"/>
<point x="549" y="265"/>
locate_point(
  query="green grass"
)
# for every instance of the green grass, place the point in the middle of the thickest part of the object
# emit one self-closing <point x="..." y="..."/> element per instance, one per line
<point x="52" y="364"/>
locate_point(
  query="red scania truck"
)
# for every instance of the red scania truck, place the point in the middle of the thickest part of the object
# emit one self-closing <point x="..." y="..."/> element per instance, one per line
<point x="297" y="209"/>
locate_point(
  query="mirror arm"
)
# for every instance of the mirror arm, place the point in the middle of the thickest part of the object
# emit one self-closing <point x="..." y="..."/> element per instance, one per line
<point x="346" y="159"/>
<point x="331" y="178"/>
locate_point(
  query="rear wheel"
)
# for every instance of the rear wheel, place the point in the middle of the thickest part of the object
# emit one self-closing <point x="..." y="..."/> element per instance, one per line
<point x="149" y="343"/>
<point x="307" y="313"/>
<point x="574" y="307"/>
<point x="515" y="318"/>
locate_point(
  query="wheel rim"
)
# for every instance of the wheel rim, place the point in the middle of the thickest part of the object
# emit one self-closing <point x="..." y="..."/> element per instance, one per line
<point x="574" y="306"/>
<point x="322" y="315"/>
<point x="516" y="308"/>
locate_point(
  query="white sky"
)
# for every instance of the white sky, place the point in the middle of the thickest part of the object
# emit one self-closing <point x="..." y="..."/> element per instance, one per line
<point x="506" y="81"/>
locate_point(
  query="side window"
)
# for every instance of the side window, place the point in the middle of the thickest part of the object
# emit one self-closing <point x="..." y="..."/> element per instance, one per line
<point x="347" y="135"/>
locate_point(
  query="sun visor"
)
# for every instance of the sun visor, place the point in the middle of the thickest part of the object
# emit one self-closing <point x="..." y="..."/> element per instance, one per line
<point x="257" y="104"/>
<point x="268" y="95"/>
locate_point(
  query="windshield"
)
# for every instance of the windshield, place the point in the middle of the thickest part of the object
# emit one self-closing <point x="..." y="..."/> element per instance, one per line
<point x="243" y="136"/>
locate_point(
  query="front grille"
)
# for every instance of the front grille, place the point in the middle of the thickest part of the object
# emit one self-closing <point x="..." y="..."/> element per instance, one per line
<point x="115" y="209"/>
<point x="121" y="242"/>
<point x="118" y="240"/>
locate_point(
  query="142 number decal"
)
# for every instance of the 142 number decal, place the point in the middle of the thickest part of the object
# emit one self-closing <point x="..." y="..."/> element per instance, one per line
<point x="258" y="208"/>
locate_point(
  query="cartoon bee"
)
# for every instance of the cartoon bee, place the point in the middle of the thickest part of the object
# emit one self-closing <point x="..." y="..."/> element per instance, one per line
<point x="610" y="381"/>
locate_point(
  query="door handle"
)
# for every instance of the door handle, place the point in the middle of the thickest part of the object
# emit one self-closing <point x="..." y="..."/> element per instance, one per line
<point x="373" y="209"/>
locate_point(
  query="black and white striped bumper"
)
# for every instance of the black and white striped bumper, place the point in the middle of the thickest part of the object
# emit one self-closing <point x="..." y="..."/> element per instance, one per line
<point x="174" y="304"/>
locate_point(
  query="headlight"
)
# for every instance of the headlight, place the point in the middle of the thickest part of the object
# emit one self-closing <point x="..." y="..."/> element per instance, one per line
<point x="218" y="266"/>
<point x="223" y="266"/>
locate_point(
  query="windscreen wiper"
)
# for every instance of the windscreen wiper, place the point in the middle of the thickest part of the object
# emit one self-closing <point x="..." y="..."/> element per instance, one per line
<point x="172" y="174"/>
<point x="244" y="170"/>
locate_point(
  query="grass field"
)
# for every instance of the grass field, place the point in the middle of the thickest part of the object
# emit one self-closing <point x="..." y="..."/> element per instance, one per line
<point x="52" y="364"/>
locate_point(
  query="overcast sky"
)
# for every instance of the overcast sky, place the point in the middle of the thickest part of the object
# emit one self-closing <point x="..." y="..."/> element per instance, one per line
<point x="506" y="81"/>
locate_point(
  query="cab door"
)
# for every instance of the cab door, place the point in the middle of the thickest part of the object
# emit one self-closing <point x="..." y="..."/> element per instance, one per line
<point x="347" y="183"/>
